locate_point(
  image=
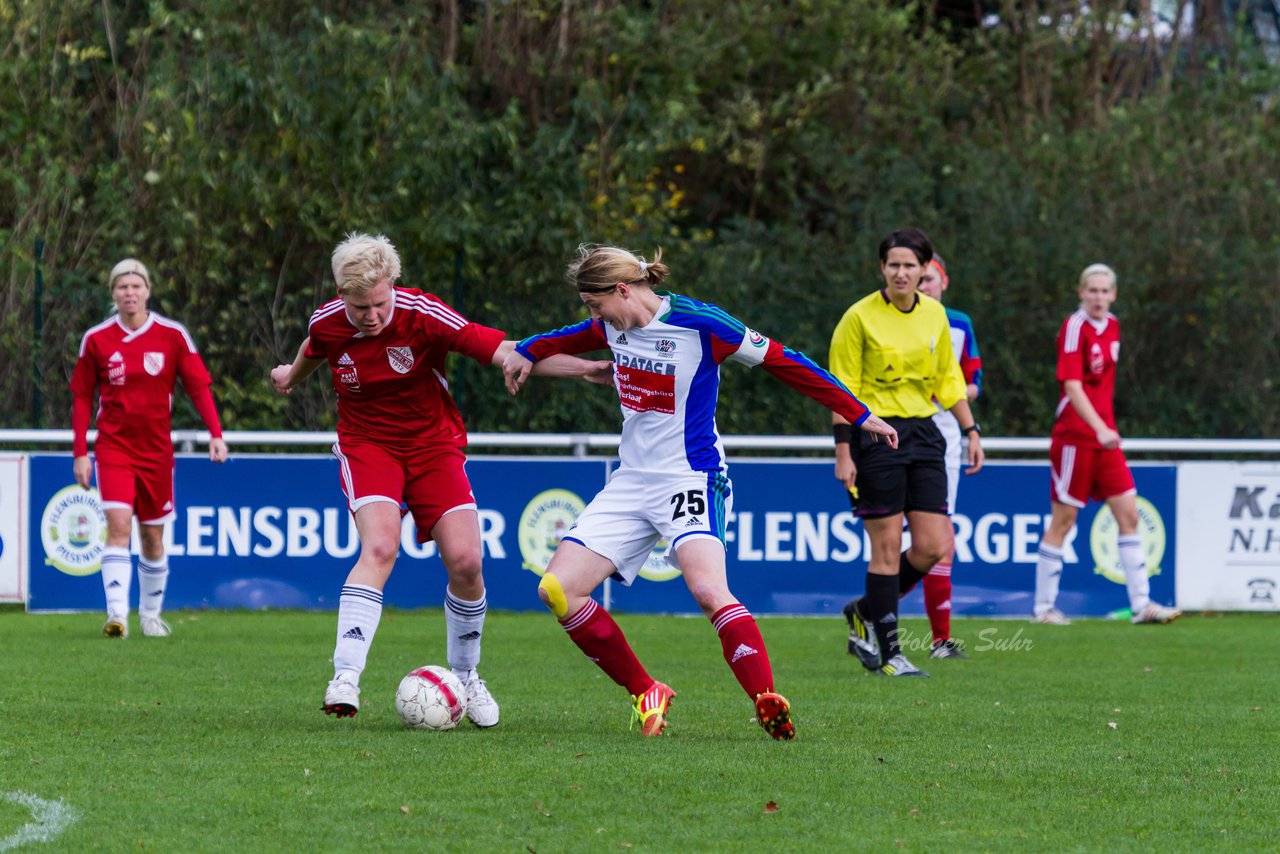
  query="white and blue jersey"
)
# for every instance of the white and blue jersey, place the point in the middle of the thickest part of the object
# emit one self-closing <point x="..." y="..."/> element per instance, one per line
<point x="667" y="374"/>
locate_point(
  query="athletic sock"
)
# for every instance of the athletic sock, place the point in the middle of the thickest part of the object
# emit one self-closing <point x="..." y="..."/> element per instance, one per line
<point x="1135" y="571"/>
<point x="1048" y="575"/>
<point x="908" y="575"/>
<point x="464" y="622"/>
<point x="359" y="612"/>
<point x="153" y="576"/>
<point x="743" y="647"/>
<point x="117" y="573"/>
<point x="937" y="599"/>
<point x="602" y="641"/>
<point x="880" y="608"/>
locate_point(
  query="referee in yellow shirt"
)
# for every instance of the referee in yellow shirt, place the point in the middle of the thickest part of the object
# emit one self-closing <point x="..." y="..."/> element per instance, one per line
<point x="893" y="350"/>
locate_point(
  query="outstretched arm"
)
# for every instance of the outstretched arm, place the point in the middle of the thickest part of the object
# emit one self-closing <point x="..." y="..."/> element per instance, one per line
<point x="285" y="377"/>
<point x="599" y="371"/>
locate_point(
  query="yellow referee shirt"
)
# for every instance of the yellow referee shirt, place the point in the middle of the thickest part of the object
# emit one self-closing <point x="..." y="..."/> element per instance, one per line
<point x="897" y="362"/>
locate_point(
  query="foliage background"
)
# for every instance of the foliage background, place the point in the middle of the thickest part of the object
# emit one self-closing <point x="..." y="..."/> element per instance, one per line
<point x="765" y="146"/>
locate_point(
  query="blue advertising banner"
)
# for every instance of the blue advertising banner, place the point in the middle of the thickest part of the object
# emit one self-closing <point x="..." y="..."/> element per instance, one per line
<point x="795" y="547"/>
<point x="274" y="532"/>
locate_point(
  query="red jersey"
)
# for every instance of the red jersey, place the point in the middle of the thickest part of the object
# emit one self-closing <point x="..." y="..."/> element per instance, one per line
<point x="392" y="387"/>
<point x="134" y="372"/>
<point x="1088" y="352"/>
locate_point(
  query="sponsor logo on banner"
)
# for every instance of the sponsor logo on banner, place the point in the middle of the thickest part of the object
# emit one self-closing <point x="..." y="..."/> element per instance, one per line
<point x="401" y="359"/>
<point x="1106" y="554"/>
<point x="154" y="363"/>
<point x="73" y="530"/>
<point x="656" y="567"/>
<point x="544" y="522"/>
<point x="1262" y="591"/>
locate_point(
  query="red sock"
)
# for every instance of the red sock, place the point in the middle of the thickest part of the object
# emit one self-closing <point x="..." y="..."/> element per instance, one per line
<point x="600" y="638"/>
<point x="744" y="649"/>
<point x="937" y="599"/>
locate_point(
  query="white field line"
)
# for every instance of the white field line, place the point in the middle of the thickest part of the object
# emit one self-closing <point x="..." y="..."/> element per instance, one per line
<point x="48" y="820"/>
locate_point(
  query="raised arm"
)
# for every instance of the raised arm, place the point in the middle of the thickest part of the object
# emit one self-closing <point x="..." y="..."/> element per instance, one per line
<point x="285" y="377"/>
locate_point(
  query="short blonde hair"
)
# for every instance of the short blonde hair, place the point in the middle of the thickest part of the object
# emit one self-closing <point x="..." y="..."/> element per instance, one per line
<point x="362" y="261"/>
<point x="124" y="268"/>
<point x="598" y="269"/>
<point x="1098" y="270"/>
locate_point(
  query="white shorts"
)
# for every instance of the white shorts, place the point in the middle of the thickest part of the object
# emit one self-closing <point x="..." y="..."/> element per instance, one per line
<point x="636" y="509"/>
<point x="950" y="429"/>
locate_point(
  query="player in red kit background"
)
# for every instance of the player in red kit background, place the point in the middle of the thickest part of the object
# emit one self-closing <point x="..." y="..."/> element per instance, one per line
<point x="133" y="359"/>
<point x="400" y="440"/>
<point x="1084" y="452"/>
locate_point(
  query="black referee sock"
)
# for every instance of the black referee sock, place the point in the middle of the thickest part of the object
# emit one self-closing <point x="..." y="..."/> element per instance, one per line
<point x="880" y="608"/>
<point x="908" y="575"/>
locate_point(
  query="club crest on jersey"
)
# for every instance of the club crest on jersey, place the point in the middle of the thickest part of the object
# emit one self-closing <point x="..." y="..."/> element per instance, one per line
<point x="665" y="345"/>
<point x="401" y="359"/>
<point x="154" y="363"/>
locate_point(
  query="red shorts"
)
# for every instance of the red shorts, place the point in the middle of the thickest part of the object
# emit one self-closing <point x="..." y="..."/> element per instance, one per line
<point x="144" y="487"/>
<point x="430" y="482"/>
<point x="1084" y="471"/>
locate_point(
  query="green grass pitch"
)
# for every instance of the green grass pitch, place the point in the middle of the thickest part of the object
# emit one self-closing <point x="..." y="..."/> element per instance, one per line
<point x="1097" y="736"/>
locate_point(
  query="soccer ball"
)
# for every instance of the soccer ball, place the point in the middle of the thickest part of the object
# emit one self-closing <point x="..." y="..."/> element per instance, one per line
<point x="431" y="697"/>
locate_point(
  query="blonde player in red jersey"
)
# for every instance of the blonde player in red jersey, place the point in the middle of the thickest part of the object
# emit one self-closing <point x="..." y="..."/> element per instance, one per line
<point x="400" y="440"/>
<point x="133" y="360"/>
<point x="1084" y="452"/>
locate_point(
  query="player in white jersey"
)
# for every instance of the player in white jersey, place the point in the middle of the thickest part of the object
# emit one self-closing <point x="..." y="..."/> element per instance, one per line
<point x="672" y="480"/>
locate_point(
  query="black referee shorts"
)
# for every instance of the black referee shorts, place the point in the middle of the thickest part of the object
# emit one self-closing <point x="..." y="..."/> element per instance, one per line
<point x="912" y="476"/>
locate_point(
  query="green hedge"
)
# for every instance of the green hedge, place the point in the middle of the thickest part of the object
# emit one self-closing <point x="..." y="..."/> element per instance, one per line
<point x="766" y="147"/>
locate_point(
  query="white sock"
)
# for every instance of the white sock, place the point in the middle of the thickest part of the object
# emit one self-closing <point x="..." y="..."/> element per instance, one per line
<point x="152" y="577"/>
<point x="117" y="573"/>
<point x="1048" y="575"/>
<point x="359" y="612"/>
<point x="1135" y="570"/>
<point x="464" y="621"/>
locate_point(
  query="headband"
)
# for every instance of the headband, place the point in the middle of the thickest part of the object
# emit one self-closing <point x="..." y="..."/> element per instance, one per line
<point x="942" y="271"/>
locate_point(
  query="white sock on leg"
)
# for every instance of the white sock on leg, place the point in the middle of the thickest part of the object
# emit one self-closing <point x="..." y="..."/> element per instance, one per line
<point x="1135" y="570"/>
<point x="359" y="612"/>
<point x="117" y="573"/>
<point x="153" y="576"/>
<point x="1048" y="577"/>
<point x="464" y="622"/>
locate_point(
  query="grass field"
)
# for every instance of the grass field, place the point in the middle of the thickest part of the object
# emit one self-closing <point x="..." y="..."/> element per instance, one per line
<point x="1098" y="736"/>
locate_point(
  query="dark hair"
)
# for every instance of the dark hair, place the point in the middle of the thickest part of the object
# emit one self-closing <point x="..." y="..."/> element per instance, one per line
<point x="908" y="238"/>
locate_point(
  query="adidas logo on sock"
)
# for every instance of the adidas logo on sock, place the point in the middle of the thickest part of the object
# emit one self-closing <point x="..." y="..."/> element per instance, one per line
<point x="156" y="593"/>
<point x="889" y="618"/>
<point x="470" y="636"/>
<point x="354" y="634"/>
<point x="742" y="652"/>
<point x="114" y="584"/>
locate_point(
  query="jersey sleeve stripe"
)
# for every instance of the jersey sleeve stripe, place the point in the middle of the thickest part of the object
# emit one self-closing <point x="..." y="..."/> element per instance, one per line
<point x="173" y="324"/>
<point x="94" y="330"/>
<point x="434" y="308"/>
<point x="1071" y="341"/>
<point x="324" y="311"/>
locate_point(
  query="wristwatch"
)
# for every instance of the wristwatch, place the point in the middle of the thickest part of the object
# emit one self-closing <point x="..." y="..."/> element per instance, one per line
<point x="972" y="428"/>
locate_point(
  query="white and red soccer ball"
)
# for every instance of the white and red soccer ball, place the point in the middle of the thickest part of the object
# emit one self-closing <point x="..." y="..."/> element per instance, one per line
<point x="432" y="698"/>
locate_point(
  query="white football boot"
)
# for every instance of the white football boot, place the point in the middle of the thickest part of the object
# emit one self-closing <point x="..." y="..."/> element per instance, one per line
<point x="342" y="697"/>
<point x="1156" y="613"/>
<point x="1052" y="617"/>
<point x="154" y="627"/>
<point x="482" y="709"/>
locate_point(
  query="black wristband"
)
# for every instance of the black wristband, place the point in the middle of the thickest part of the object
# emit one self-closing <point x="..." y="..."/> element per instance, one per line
<point x="843" y="433"/>
<point x="972" y="428"/>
